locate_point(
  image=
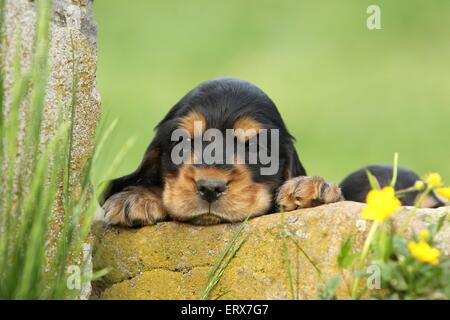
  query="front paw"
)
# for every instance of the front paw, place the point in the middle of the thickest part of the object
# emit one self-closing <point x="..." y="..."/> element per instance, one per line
<point x="307" y="192"/>
<point x="134" y="207"/>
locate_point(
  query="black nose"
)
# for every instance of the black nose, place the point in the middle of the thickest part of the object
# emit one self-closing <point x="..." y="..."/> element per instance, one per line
<point x="211" y="189"/>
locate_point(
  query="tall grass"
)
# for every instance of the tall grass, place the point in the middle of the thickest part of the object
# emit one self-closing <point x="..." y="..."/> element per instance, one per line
<point x="33" y="263"/>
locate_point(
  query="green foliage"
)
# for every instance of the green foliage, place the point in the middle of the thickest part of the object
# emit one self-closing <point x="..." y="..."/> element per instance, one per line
<point x="328" y="290"/>
<point x="28" y="268"/>
<point x="404" y="277"/>
<point x="404" y="267"/>
<point x="395" y="170"/>
<point x="345" y="258"/>
<point x="373" y="181"/>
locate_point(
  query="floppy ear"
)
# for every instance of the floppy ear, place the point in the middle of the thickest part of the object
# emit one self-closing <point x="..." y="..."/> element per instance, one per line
<point x="293" y="167"/>
<point x="147" y="174"/>
<point x="149" y="171"/>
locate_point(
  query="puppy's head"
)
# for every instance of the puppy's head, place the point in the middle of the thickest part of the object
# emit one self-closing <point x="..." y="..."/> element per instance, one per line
<point x="220" y="154"/>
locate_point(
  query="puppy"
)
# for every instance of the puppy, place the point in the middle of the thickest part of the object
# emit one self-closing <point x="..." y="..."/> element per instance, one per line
<point x="356" y="186"/>
<point x="230" y="188"/>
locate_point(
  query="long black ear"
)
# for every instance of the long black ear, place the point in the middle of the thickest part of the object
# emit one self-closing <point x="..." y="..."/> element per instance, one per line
<point x="297" y="168"/>
<point x="147" y="174"/>
<point x="294" y="167"/>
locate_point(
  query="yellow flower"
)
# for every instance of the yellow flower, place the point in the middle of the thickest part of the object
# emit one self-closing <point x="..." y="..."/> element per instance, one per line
<point x="419" y="185"/>
<point x="434" y="180"/>
<point x="380" y="204"/>
<point x="423" y="252"/>
<point x="444" y="192"/>
<point x="424" y="235"/>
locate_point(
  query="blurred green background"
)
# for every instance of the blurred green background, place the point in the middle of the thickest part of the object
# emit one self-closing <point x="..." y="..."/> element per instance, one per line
<point x="351" y="96"/>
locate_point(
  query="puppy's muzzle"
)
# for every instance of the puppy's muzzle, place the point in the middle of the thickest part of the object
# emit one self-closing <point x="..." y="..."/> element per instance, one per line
<point x="211" y="190"/>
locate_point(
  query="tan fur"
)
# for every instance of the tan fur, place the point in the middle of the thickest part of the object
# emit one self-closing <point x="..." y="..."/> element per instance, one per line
<point x="135" y="206"/>
<point x="242" y="197"/>
<point x="307" y="192"/>
<point x="188" y="121"/>
<point x="247" y="128"/>
<point x="428" y="202"/>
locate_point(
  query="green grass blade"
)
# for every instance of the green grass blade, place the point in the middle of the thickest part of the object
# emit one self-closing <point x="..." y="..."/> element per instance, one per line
<point x="28" y="270"/>
<point x="2" y="90"/>
<point x="228" y="247"/>
<point x="395" y="170"/>
<point x="222" y="269"/>
<point x="104" y="138"/>
<point x="373" y="181"/>
<point x="287" y="261"/>
<point x="310" y="260"/>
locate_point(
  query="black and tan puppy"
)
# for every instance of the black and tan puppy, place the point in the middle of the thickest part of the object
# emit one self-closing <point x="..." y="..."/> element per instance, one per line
<point x="199" y="193"/>
<point x="356" y="186"/>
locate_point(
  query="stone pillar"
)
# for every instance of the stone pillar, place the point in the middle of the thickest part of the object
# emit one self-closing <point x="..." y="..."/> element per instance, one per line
<point x="72" y="56"/>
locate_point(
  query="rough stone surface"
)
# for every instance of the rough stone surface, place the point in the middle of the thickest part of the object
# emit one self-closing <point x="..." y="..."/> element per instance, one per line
<point x="172" y="260"/>
<point x="72" y="55"/>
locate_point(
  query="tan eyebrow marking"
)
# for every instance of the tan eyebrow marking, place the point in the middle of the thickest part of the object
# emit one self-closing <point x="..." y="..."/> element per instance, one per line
<point x="188" y="123"/>
<point x="246" y="127"/>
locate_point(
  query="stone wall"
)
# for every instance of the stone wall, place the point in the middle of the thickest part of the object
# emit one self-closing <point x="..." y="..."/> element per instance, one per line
<point x="172" y="260"/>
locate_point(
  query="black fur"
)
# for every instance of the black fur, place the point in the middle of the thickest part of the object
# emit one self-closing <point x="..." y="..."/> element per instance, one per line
<point x="222" y="102"/>
<point x="356" y="186"/>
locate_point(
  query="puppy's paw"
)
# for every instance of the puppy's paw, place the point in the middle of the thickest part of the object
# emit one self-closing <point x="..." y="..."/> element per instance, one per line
<point x="134" y="207"/>
<point x="307" y="192"/>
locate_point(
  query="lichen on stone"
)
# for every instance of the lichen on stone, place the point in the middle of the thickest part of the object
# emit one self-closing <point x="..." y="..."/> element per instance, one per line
<point x="172" y="260"/>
